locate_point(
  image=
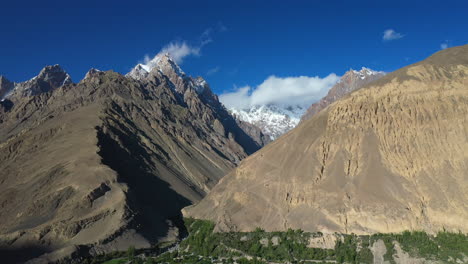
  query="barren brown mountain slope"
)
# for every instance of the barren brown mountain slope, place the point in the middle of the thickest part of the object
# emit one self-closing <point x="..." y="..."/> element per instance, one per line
<point x="108" y="163"/>
<point x="389" y="157"/>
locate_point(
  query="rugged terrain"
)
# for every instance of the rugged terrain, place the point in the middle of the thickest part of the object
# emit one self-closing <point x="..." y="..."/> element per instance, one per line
<point x="391" y="156"/>
<point x="350" y="81"/>
<point x="273" y="120"/>
<point x="108" y="162"/>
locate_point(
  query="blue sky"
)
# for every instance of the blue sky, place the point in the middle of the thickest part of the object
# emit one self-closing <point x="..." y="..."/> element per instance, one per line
<point x="243" y="42"/>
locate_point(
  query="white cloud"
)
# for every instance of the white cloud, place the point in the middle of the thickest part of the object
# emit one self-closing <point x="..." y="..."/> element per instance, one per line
<point x="445" y="45"/>
<point x="213" y="70"/>
<point x="240" y="98"/>
<point x="302" y="90"/>
<point x="180" y="50"/>
<point x="391" y="34"/>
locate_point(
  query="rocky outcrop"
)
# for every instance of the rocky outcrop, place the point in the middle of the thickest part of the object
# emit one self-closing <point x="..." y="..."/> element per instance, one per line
<point x="108" y="162"/>
<point x="254" y="132"/>
<point x="349" y="82"/>
<point x="91" y="73"/>
<point x="50" y="78"/>
<point x="389" y="157"/>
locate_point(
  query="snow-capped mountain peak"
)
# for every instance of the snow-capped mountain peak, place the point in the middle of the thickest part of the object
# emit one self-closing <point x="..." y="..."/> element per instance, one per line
<point x="138" y="72"/>
<point x="49" y="78"/>
<point x="365" y="72"/>
<point x="274" y="120"/>
<point x="91" y="72"/>
<point x="161" y="62"/>
<point x="200" y="84"/>
<point x="166" y="65"/>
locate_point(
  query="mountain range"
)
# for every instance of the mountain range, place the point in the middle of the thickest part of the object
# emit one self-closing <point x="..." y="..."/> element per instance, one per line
<point x="115" y="161"/>
<point x="110" y="161"/>
<point x="274" y="120"/>
<point x="389" y="157"/>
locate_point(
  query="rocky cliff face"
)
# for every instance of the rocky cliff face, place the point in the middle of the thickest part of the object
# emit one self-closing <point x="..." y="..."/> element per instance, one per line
<point x="390" y="157"/>
<point x="350" y="81"/>
<point x="163" y="66"/>
<point x="108" y="162"/>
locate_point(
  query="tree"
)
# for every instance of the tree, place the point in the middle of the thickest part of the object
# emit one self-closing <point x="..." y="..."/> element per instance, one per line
<point x="131" y="252"/>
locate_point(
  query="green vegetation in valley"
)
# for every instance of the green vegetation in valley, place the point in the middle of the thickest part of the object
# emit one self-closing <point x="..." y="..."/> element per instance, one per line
<point x="444" y="246"/>
<point x="291" y="245"/>
<point x="203" y="246"/>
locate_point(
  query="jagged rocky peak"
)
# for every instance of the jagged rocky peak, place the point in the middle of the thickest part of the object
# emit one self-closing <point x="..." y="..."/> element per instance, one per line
<point x="164" y="66"/>
<point x="138" y="73"/>
<point x="91" y="73"/>
<point x="55" y="76"/>
<point x="350" y="81"/>
<point x="357" y="78"/>
<point x="167" y="65"/>
<point x="161" y="63"/>
<point x="365" y="72"/>
<point x="49" y="78"/>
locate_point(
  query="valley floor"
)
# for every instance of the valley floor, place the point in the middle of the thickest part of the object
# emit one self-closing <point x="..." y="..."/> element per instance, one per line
<point x="202" y="245"/>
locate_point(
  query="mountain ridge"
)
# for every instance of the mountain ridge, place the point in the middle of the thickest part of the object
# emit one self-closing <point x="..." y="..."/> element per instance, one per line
<point x="350" y="81"/>
<point x="108" y="162"/>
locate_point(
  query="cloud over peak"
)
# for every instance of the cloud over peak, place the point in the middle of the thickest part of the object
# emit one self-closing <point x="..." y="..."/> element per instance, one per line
<point x="302" y="90"/>
<point x="179" y="50"/>
<point x="391" y="34"/>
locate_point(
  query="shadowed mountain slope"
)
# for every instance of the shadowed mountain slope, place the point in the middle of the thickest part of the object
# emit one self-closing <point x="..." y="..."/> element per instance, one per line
<point x="389" y="157"/>
<point x="108" y="162"/>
